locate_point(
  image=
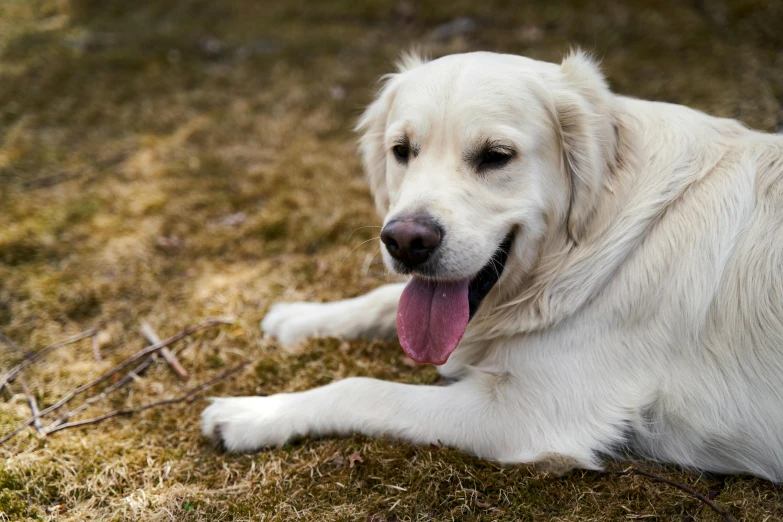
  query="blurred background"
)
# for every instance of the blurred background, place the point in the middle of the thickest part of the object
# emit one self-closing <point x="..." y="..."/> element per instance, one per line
<point x="167" y="161"/>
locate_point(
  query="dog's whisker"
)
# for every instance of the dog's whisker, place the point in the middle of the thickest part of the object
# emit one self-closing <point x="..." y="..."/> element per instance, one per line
<point x="357" y="246"/>
<point x="368" y="263"/>
<point x="365" y="226"/>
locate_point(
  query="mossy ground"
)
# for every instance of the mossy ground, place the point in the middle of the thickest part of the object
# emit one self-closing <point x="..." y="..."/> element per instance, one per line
<point x="168" y="161"/>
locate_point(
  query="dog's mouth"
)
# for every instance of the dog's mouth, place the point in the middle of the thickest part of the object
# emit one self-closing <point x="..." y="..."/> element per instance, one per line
<point x="432" y="315"/>
<point x="486" y="278"/>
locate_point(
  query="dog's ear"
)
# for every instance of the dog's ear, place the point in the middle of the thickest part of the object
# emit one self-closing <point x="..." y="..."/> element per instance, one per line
<point x="586" y="121"/>
<point x="372" y="127"/>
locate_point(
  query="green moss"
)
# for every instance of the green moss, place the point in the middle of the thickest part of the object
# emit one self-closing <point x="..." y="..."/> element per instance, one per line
<point x="15" y="507"/>
<point x="82" y="210"/>
<point x="215" y="361"/>
<point x="267" y="371"/>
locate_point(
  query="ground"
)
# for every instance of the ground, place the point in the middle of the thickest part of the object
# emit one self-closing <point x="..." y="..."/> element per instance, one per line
<point x="168" y="162"/>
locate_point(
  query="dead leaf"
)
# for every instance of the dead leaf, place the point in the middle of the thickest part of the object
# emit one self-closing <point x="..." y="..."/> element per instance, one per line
<point x="338" y="461"/>
<point x="354" y="458"/>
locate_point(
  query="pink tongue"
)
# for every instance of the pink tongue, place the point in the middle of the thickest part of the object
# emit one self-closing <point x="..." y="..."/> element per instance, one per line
<point x="431" y="319"/>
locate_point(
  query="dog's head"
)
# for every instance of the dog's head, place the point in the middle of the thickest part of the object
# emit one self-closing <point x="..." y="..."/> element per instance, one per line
<point x="474" y="161"/>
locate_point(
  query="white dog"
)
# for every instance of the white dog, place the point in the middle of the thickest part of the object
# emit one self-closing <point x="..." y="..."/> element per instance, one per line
<point x="594" y="272"/>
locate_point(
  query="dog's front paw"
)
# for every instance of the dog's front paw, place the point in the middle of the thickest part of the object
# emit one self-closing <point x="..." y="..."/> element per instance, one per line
<point x="293" y="323"/>
<point x="247" y="424"/>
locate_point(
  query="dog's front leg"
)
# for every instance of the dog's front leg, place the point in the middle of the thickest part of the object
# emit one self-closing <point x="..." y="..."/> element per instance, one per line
<point x="371" y="316"/>
<point x="463" y="415"/>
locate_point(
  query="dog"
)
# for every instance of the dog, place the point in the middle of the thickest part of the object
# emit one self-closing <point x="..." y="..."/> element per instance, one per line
<point x="594" y="274"/>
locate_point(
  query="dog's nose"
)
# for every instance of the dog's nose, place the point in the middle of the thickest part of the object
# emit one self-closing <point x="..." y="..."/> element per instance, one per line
<point x="411" y="241"/>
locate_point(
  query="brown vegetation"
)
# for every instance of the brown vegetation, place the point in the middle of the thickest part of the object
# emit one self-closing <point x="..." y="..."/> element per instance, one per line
<point x="166" y="162"/>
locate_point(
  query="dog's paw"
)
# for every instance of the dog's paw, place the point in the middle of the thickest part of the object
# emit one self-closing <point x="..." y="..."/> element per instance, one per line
<point x="293" y="323"/>
<point x="247" y="424"/>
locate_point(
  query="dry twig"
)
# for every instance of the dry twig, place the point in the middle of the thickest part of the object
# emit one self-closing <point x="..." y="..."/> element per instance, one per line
<point x="188" y="396"/>
<point x="168" y="355"/>
<point x="33" y="405"/>
<point x="32" y="357"/>
<point x="96" y="348"/>
<point x="725" y="515"/>
<point x="148" y="351"/>
<point x="23" y="383"/>
<point x="10" y="343"/>
<point x="131" y="375"/>
<point x="132" y="359"/>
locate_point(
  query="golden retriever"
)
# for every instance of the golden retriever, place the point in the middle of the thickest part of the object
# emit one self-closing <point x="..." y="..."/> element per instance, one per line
<point x="592" y="272"/>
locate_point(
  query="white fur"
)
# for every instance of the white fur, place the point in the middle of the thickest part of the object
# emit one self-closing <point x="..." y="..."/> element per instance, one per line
<point x="641" y="306"/>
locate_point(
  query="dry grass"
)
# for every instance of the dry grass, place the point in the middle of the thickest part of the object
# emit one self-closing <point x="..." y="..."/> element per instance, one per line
<point x="168" y="161"/>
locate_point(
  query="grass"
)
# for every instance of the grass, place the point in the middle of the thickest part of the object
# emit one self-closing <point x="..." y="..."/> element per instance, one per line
<point x="169" y="161"/>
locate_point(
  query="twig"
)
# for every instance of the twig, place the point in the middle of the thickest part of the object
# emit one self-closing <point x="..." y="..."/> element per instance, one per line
<point x="131" y="375"/>
<point x="96" y="348"/>
<point x="32" y="357"/>
<point x="152" y="337"/>
<point x="23" y="383"/>
<point x="49" y="181"/>
<point x="691" y="517"/>
<point x="129" y="411"/>
<point x="33" y="405"/>
<point x="725" y="515"/>
<point x="11" y="344"/>
<point x="127" y="362"/>
<point x="132" y="359"/>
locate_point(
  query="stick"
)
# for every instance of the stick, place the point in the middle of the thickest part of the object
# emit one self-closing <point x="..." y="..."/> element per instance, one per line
<point x="30" y="398"/>
<point x="725" y="515"/>
<point x="127" y="362"/>
<point x="96" y="349"/>
<point x="48" y="181"/>
<point x="131" y="375"/>
<point x="129" y="411"/>
<point x="33" y="405"/>
<point x="11" y="344"/>
<point x="691" y="517"/>
<point x="132" y="359"/>
<point x="32" y="357"/>
<point x="152" y="337"/>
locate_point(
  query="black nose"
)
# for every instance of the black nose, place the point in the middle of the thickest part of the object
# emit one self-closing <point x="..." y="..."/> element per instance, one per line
<point x="411" y="241"/>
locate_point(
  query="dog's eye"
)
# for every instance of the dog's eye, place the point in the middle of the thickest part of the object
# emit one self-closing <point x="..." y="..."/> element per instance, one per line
<point x="401" y="152"/>
<point x="494" y="158"/>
